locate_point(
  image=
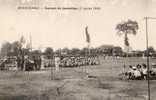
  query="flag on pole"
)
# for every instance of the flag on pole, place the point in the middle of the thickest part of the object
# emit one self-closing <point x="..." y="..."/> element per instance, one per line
<point x="87" y="35"/>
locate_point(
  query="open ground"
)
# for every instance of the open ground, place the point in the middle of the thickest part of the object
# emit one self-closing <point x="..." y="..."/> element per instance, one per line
<point x="103" y="83"/>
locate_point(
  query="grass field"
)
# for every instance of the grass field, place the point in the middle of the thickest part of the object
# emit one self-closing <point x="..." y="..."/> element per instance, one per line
<point x="103" y="83"/>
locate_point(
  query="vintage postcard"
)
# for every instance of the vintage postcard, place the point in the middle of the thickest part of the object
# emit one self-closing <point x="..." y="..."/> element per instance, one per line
<point x="77" y="49"/>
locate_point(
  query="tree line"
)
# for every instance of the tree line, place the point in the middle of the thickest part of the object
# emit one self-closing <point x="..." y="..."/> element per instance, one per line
<point x="15" y="49"/>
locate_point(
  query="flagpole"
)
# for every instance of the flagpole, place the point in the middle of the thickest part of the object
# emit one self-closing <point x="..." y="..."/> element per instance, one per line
<point x="88" y="44"/>
<point x="87" y="54"/>
<point x="89" y="49"/>
<point x="52" y="71"/>
<point x="146" y="19"/>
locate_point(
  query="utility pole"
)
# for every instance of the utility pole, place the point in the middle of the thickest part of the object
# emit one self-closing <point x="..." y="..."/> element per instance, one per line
<point x="147" y="51"/>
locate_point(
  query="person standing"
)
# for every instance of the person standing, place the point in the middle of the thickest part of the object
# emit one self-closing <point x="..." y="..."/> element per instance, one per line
<point x="57" y="63"/>
<point x="144" y="71"/>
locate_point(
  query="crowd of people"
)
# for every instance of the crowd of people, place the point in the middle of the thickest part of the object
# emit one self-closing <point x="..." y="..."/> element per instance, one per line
<point x="78" y="61"/>
<point x="20" y="63"/>
<point x="137" y="72"/>
<point x="35" y="63"/>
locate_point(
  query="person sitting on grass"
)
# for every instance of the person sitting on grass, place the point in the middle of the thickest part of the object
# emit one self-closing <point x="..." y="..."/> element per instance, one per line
<point x="139" y="68"/>
<point x="137" y="74"/>
<point x="130" y="72"/>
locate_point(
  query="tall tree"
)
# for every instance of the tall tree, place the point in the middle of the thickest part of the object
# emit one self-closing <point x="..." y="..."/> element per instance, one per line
<point x="5" y="49"/>
<point x="125" y="28"/>
<point x="21" y="52"/>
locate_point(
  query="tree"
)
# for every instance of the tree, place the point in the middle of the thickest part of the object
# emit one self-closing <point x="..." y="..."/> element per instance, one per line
<point x="5" y="49"/>
<point x="84" y="52"/>
<point x="150" y="51"/>
<point x="65" y="51"/>
<point x="36" y="52"/>
<point x="15" y="48"/>
<point x="125" y="28"/>
<point x="58" y="52"/>
<point x="49" y="52"/>
<point x="117" y="51"/>
<point x="75" y="51"/>
<point x="21" y="51"/>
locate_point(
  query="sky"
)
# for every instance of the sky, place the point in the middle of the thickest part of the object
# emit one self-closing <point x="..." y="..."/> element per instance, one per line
<point x="66" y="28"/>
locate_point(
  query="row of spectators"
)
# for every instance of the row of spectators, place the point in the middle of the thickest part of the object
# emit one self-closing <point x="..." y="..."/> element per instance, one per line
<point x="35" y="63"/>
<point x="141" y="72"/>
<point x="20" y="63"/>
<point x="78" y="61"/>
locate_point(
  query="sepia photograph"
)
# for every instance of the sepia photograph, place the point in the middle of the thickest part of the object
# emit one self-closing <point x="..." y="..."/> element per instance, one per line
<point x="77" y="49"/>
